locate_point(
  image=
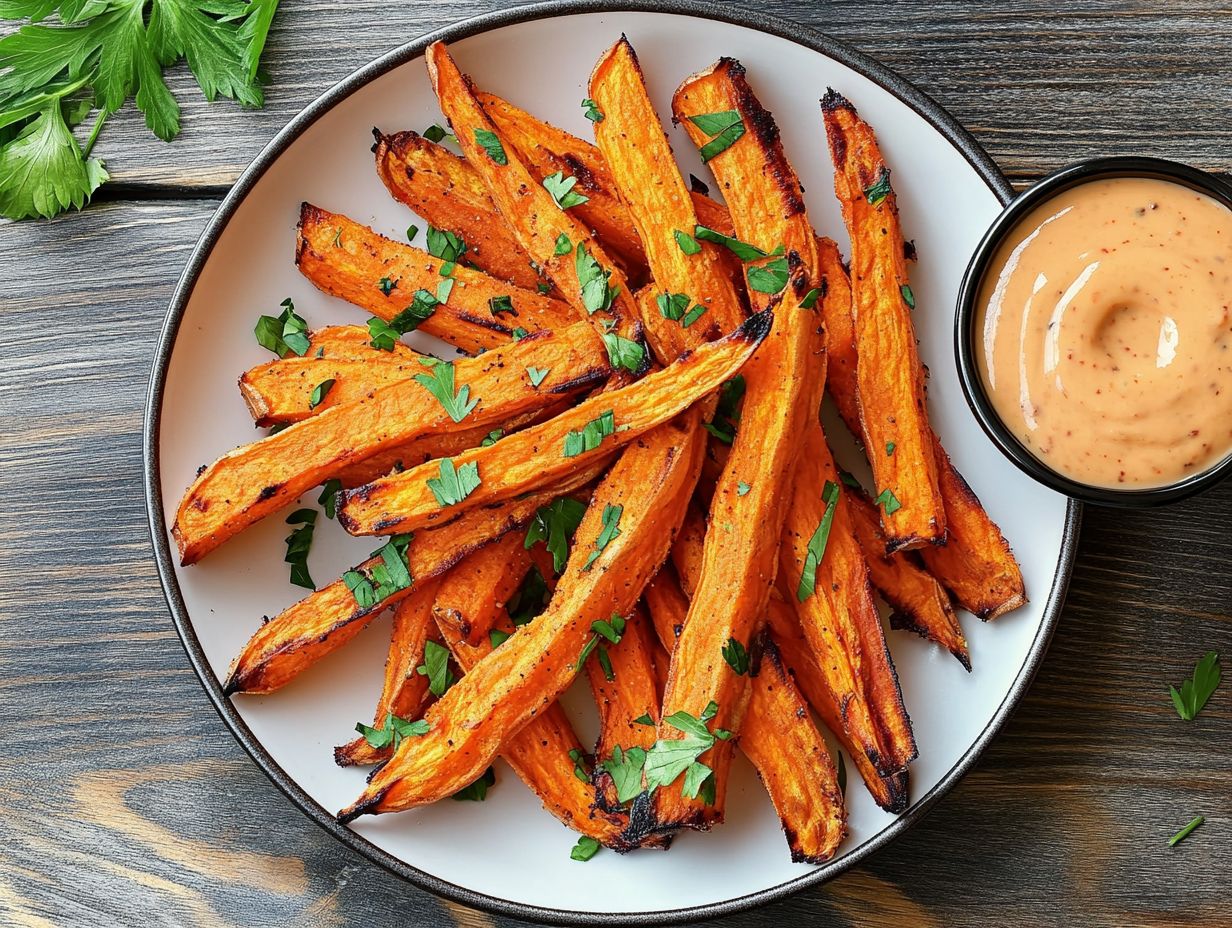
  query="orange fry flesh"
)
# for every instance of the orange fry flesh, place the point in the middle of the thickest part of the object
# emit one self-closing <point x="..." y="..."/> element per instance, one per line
<point x="258" y="479"/>
<point x="348" y="260"/>
<point x="647" y="491"/>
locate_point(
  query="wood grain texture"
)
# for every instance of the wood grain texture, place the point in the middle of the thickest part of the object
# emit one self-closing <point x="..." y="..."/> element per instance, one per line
<point x="125" y="802"/>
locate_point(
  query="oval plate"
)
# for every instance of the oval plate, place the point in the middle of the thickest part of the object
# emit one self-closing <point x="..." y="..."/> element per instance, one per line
<point x="507" y="854"/>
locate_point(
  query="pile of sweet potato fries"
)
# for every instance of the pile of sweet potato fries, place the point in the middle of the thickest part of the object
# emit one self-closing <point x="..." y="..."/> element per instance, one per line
<point x="625" y="476"/>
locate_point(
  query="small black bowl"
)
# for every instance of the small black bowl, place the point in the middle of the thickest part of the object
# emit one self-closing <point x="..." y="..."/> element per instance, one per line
<point x="966" y="338"/>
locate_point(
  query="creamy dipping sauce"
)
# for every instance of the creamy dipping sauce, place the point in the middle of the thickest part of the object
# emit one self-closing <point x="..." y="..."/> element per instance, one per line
<point x="1105" y="332"/>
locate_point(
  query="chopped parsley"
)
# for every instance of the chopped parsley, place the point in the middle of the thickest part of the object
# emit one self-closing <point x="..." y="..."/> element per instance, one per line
<point x="492" y="438"/>
<point x="580" y="765"/>
<point x="436" y="668"/>
<point x="487" y="140"/>
<point x="723" y="129"/>
<point x="298" y="544"/>
<point x="443" y="289"/>
<point x="624" y="352"/>
<point x="644" y="719"/>
<point x="329" y="496"/>
<point x="319" y="392"/>
<point x="497" y="637"/>
<point x="529" y="599"/>
<point x="390" y="734"/>
<point x="453" y="486"/>
<point x="810" y="298"/>
<point x="1186" y="831"/>
<point x="742" y="488"/>
<point x="671" y="757"/>
<point x="445" y="245"/>
<point x="610" y="631"/>
<point x="591" y="110"/>
<point x="688" y="244"/>
<point x="908" y="295"/>
<point x="477" y="791"/>
<point x="1194" y="692"/>
<point x="563" y="245"/>
<point x="625" y="769"/>
<point x="586" y="848"/>
<point x="591" y="435"/>
<point x="543" y="288"/>
<point x="411" y="231"/>
<point x="890" y="446"/>
<point x="742" y="250"/>
<point x="385" y="334"/>
<point x="554" y="525"/>
<point x="597" y="293"/>
<point x="889" y="501"/>
<point x="519" y="333"/>
<point x="878" y="190"/>
<point x="499" y="305"/>
<point x="727" y="412"/>
<point x="609" y="532"/>
<point x="384" y="579"/>
<point x="386" y="286"/>
<point x="284" y="334"/>
<point x="817" y="544"/>
<point x="537" y="374"/>
<point x="440" y="384"/>
<point x="737" y="656"/>
<point x="438" y="133"/>
<point x="561" y="189"/>
<point x="770" y="277"/>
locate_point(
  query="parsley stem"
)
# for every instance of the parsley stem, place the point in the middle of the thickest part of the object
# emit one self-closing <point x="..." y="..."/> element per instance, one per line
<point x="98" y="125"/>
<point x="1185" y="832"/>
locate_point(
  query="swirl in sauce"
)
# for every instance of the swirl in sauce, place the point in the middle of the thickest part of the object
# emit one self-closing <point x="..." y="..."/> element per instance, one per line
<point x="1107" y="332"/>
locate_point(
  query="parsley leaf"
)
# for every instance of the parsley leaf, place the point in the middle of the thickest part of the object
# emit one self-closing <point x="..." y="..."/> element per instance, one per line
<point x="329" y="496"/>
<point x="623" y="352"/>
<point x="591" y="435"/>
<point x="423" y="305"/>
<point x="770" y="277"/>
<point x="554" y="525"/>
<point x="445" y="245"/>
<point x="737" y="656"/>
<point x="477" y="791"/>
<point x="887" y="499"/>
<point x="492" y="438"/>
<point x="592" y="111"/>
<point x="488" y="141"/>
<point x="610" y="530"/>
<point x="586" y="848"/>
<point x="742" y="488"/>
<point x="890" y="446"/>
<point x="386" y="286"/>
<point x="390" y="734"/>
<point x="625" y="769"/>
<point x="453" y="486"/>
<point x="908" y="295"/>
<point x="440" y="384"/>
<point x="610" y="631"/>
<point x="817" y="544"/>
<point x="501" y="304"/>
<point x="597" y="293"/>
<point x="688" y="244"/>
<point x="384" y="579"/>
<point x="537" y="374"/>
<point x="411" y="231"/>
<point x="1196" y="691"/>
<point x="671" y="757"/>
<point x="443" y="289"/>
<point x="436" y="668"/>
<point x="529" y="599"/>
<point x="644" y="719"/>
<point x="878" y="190"/>
<point x="298" y="544"/>
<point x="563" y="245"/>
<point x="561" y="189"/>
<point x="319" y="392"/>
<point x="727" y="412"/>
<point x="284" y="334"/>
<point x="810" y="298"/>
<point x="742" y="250"/>
<point x="723" y="129"/>
<point x="438" y="133"/>
<point x="580" y="765"/>
<point x="497" y="637"/>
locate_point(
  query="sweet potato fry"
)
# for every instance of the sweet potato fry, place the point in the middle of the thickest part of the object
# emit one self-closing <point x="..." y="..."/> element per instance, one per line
<point x="784" y="382"/>
<point x="348" y="260"/>
<point x="354" y="343"/>
<point x="635" y="148"/>
<point x="976" y="563"/>
<point x="281" y="392"/>
<point x="253" y="481"/>
<point x="778" y="736"/>
<point x="546" y="150"/>
<point x="325" y="620"/>
<point x="918" y="601"/>
<point x="540" y="454"/>
<point x="889" y="792"/>
<point x="559" y="243"/>
<point x="542" y="753"/>
<point x="480" y="587"/>
<point x="446" y="191"/>
<point x="405" y="692"/>
<point x="645" y="495"/>
<point x="893" y="412"/>
<point x="830" y="592"/>
<point x="625" y="688"/>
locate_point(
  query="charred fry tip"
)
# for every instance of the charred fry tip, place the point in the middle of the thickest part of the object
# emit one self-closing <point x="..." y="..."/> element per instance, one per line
<point x="755" y="328"/>
<point x="362" y="806"/>
<point x="833" y="100"/>
<point x="233" y="684"/>
<point x="344" y="755"/>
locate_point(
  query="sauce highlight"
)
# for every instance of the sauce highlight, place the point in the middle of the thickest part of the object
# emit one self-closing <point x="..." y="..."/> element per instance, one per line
<point x="1106" y="332"/>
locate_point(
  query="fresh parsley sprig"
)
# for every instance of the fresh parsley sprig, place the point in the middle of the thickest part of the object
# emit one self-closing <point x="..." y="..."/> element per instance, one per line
<point x="93" y="57"/>
<point x="436" y="668"/>
<point x="817" y="543"/>
<point x="554" y="525"/>
<point x="440" y="383"/>
<point x="1194" y="692"/>
<point x="390" y="734"/>
<point x="299" y="543"/>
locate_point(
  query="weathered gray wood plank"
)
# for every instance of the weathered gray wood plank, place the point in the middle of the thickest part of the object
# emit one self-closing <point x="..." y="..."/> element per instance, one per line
<point x="1037" y="87"/>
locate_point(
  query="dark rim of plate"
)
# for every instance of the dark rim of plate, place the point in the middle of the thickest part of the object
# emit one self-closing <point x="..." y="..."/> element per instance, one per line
<point x="781" y="28"/>
<point x="966" y="349"/>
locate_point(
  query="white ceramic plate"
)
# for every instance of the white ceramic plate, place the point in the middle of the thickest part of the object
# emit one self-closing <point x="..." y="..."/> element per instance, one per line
<point x="507" y="854"/>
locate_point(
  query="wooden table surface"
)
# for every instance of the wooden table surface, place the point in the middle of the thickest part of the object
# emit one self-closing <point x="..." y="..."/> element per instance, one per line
<point x="123" y="799"/>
